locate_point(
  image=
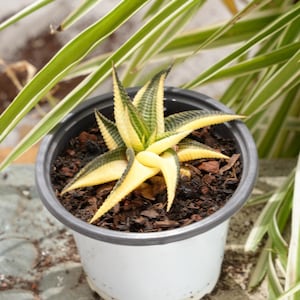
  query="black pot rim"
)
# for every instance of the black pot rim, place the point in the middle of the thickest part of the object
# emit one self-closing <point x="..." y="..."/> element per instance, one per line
<point x="238" y="129"/>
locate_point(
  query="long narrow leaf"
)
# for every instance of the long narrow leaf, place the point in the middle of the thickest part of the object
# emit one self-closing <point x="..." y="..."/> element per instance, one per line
<point x="260" y="226"/>
<point x="186" y="44"/>
<point x="274" y="27"/>
<point x="24" y="12"/>
<point x="62" y="62"/>
<point x="90" y="83"/>
<point x="260" y="270"/>
<point x="290" y="292"/>
<point x="274" y="286"/>
<point x="160" y="39"/>
<point x="286" y="78"/>
<point x="254" y="4"/>
<point x="271" y="139"/>
<point x="78" y="13"/>
<point x="293" y="270"/>
<point x="257" y="63"/>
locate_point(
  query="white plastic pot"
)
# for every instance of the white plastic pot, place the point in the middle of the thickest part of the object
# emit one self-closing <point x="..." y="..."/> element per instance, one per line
<point x="186" y="269"/>
<point x="178" y="264"/>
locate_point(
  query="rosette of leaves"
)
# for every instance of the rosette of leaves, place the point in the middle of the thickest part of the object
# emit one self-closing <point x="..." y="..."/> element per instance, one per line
<point x="142" y="142"/>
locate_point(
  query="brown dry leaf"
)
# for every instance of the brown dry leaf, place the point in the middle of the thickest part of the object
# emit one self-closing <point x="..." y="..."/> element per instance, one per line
<point x="230" y="163"/>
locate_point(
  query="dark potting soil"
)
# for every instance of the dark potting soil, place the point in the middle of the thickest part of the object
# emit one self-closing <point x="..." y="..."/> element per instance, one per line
<point x="205" y="186"/>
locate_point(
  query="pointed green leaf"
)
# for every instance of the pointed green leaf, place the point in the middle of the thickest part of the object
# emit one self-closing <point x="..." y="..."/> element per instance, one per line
<point x="260" y="269"/>
<point x="190" y="149"/>
<point x="252" y="5"/>
<point x="260" y="226"/>
<point x="78" y="13"/>
<point x="281" y="22"/>
<point x="286" y="78"/>
<point x="257" y="63"/>
<point x="195" y="119"/>
<point x="160" y="38"/>
<point x="126" y="184"/>
<point x="293" y="271"/>
<point x="274" y="285"/>
<point x="290" y="293"/>
<point x="29" y="9"/>
<point x="104" y="168"/>
<point x="149" y="101"/>
<point x="63" y="61"/>
<point x="129" y="122"/>
<point x="109" y="132"/>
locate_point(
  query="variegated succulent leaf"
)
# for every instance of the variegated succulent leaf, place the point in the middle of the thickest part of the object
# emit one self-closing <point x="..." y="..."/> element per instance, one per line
<point x="142" y="143"/>
<point x="134" y="175"/>
<point x="167" y="140"/>
<point x="107" y="167"/>
<point x="149" y="101"/>
<point x="109" y="131"/>
<point x="168" y="163"/>
<point x="196" y="119"/>
<point x="131" y="126"/>
<point x="189" y="149"/>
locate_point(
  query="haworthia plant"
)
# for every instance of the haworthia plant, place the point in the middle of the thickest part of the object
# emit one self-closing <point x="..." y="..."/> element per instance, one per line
<point x="141" y="141"/>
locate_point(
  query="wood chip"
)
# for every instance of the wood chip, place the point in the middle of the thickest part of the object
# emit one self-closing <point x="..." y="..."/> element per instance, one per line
<point x="150" y="213"/>
<point x="230" y="163"/>
<point x="211" y="166"/>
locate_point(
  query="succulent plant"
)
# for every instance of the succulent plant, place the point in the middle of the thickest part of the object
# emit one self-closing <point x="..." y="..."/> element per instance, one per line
<point x="142" y="142"/>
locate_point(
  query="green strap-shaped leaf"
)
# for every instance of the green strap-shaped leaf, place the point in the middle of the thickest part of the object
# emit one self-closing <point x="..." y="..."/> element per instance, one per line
<point x="158" y="40"/>
<point x="149" y="102"/>
<point x="293" y="272"/>
<point x="195" y="119"/>
<point x="76" y="14"/>
<point x="109" y="132"/>
<point x="129" y="122"/>
<point x="260" y="226"/>
<point x="134" y="175"/>
<point x="188" y="42"/>
<point x="168" y="163"/>
<point x="287" y="77"/>
<point x="274" y="285"/>
<point x="87" y="85"/>
<point x="257" y="63"/>
<point x="190" y="149"/>
<point x="281" y="22"/>
<point x="63" y="61"/>
<point x="28" y="10"/>
<point x="104" y="168"/>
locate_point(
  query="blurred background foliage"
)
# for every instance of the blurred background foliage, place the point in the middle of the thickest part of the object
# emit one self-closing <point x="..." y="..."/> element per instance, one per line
<point x="262" y="77"/>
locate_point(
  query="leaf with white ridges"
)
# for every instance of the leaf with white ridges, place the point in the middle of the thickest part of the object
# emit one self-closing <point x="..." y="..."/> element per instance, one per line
<point x="104" y="168"/>
<point x="109" y="132"/>
<point x="195" y="119"/>
<point x="129" y="122"/>
<point x="134" y="175"/>
<point x="149" y="102"/>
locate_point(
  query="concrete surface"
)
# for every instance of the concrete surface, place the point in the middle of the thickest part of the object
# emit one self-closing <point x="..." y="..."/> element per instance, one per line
<point x="39" y="260"/>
